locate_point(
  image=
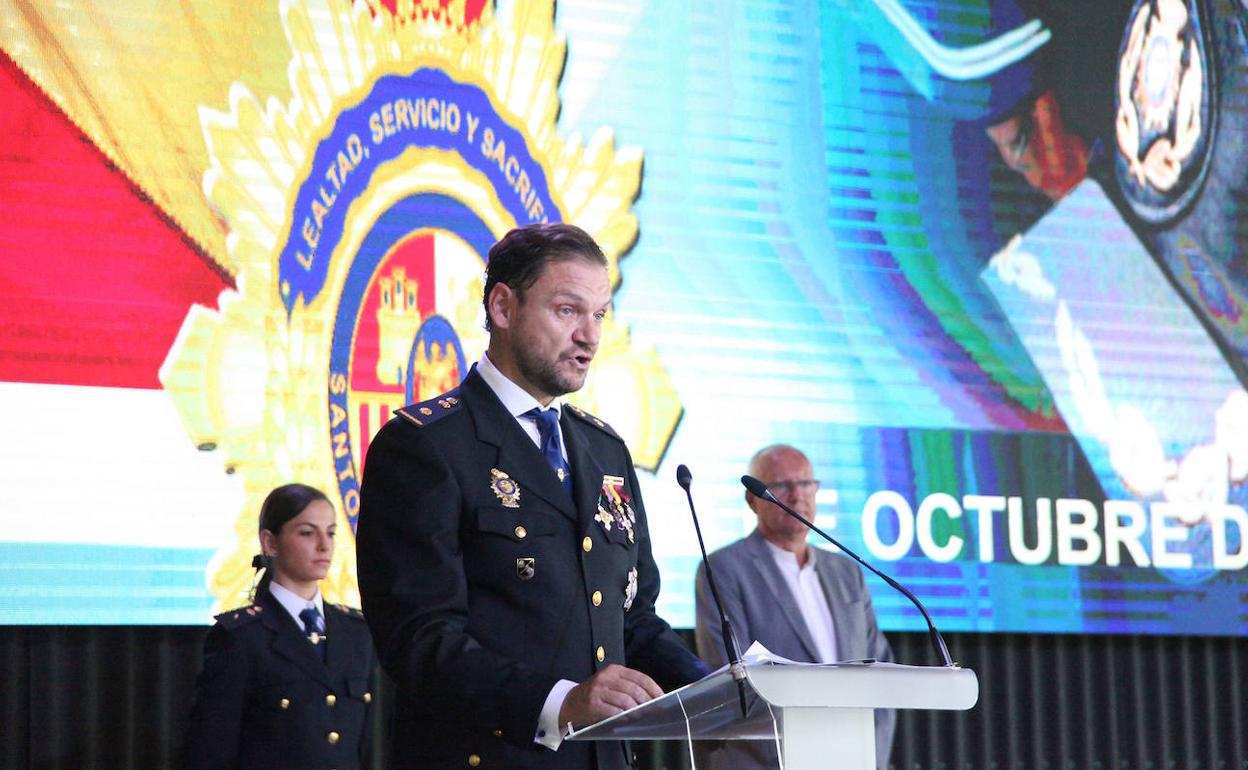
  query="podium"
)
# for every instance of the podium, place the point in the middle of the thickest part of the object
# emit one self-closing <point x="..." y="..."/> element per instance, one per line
<point x="821" y="716"/>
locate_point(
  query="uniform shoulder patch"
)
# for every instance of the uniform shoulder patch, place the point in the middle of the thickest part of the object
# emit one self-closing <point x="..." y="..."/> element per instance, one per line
<point x="589" y="419"/>
<point x="239" y="617"/>
<point x="350" y="612"/>
<point x="428" y="412"/>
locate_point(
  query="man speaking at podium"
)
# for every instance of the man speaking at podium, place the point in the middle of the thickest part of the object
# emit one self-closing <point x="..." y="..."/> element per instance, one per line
<point x="803" y="603"/>
<point x="504" y="560"/>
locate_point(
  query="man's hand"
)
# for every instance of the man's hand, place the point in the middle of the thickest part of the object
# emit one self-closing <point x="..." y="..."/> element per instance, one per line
<point x="606" y="693"/>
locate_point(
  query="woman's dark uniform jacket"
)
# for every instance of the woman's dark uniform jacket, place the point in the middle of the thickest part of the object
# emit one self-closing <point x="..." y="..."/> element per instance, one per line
<point x="480" y="598"/>
<point x="265" y="699"/>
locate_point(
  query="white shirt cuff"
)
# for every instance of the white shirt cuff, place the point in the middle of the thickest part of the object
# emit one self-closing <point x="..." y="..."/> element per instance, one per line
<point x="548" y="732"/>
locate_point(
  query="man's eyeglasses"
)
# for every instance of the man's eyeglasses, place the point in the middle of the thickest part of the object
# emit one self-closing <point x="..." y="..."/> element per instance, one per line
<point x="805" y="486"/>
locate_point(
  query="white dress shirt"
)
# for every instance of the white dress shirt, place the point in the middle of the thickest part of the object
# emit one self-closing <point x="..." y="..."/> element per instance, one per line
<point x="516" y="400"/>
<point x="811" y="600"/>
<point x="294" y="603"/>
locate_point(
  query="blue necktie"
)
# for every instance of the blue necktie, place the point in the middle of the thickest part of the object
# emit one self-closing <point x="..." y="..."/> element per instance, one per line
<point x="314" y="627"/>
<point x="552" y="448"/>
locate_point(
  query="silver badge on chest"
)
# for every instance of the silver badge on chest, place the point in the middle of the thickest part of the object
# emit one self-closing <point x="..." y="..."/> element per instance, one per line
<point x="630" y="590"/>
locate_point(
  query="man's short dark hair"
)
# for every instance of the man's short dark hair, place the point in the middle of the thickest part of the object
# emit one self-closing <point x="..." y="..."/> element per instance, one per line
<point x="519" y="258"/>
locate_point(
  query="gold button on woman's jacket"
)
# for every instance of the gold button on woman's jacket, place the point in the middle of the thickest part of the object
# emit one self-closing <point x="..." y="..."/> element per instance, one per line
<point x="587" y="544"/>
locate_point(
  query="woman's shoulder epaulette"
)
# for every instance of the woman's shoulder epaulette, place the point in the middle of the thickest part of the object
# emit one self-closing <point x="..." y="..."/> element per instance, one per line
<point x="239" y="617"/>
<point x="350" y="612"/>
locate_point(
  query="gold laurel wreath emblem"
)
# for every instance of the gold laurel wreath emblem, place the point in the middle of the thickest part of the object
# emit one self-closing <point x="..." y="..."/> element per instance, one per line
<point x="1162" y="164"/>
<point x="250" y="379"/>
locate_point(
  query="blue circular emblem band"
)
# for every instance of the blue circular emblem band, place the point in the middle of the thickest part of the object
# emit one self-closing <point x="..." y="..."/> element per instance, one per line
<point x="424" y="109"/>
<point x="425" y="210"/>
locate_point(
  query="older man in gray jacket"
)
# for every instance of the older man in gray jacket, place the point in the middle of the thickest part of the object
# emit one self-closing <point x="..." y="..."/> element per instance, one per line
<point x="802" y="603"/>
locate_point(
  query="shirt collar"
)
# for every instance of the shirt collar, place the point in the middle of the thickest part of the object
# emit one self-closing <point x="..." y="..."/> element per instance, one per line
<point x="293" y="602"/>
<point x="515" y="399"/>
<point x="788" y="560"/>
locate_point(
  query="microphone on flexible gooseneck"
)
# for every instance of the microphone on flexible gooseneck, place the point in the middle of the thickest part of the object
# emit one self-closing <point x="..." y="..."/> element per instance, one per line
<point x="684" y="478"/>
<point x="759" y="489"/>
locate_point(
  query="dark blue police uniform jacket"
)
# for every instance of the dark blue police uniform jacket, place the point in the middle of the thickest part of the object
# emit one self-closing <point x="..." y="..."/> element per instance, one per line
<point x="484" y="583"/>
<point x="265" y="699"/>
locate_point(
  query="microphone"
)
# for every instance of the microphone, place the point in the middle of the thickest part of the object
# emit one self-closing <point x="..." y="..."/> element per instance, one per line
<point x="759" y="489"/>
<point x="732" y="651"/>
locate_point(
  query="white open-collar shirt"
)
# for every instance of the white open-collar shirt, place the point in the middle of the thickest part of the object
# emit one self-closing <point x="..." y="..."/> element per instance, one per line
<point x="804" y="583"/>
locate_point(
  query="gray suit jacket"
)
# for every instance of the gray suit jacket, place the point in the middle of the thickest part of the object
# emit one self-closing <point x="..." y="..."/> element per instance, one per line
<point x="760" y="607"/>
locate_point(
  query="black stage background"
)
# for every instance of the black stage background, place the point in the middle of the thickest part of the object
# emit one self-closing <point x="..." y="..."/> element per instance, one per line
<point x="117" y="697"/>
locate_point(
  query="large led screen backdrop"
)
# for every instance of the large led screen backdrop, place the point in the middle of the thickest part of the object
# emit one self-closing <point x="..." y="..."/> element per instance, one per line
<point x="982" y="261"/>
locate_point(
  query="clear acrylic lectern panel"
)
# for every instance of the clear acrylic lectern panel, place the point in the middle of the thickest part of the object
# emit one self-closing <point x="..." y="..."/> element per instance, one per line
<point x="819" y="712"/>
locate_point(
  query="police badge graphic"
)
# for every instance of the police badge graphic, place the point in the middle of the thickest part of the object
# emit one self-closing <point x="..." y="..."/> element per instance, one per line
<point x="1165" y="108"/>
<point x="360" y="212"/>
